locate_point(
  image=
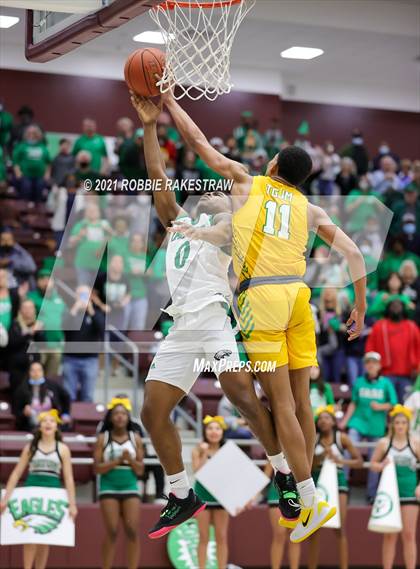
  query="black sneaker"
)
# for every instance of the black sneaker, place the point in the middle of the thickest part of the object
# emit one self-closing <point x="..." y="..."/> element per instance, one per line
<point x="176" y="512"/>
<point x="288" y="499"/>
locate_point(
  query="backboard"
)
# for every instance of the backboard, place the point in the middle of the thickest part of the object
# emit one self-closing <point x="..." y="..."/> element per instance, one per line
<point x="52" y="34"/>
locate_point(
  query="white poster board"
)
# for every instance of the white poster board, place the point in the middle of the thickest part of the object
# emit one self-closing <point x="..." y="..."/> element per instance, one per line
<point x="232" y="478"/>
<point x="386" y="511"/>
<point x="37" y="515"/>
<point x="327" y="486"/>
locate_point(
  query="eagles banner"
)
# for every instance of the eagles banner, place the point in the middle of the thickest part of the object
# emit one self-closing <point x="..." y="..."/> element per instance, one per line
<point x="37" y="515"/>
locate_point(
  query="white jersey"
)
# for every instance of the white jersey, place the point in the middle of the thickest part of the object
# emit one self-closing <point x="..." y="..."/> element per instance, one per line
<point x="197" y="271"/>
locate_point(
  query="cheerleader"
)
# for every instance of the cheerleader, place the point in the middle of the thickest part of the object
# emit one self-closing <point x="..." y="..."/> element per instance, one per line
<point x="405" y="451"/>
<point x="214" y="514"/>
<point x="118" y="458"/>
<point x="48" y="460"/>
<point x="332" y="444"/>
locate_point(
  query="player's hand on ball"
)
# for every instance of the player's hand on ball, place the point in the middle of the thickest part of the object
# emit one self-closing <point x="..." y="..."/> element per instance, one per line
<point x="146" y="109"/>
<point x="187" y="230"/>
<point x="355" y="324"/>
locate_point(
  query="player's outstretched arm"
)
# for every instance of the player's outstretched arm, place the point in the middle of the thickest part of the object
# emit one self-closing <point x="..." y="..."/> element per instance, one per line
<point x="219" y="234"/>
<point x="164" y="199"/>
<point x="195" y="138"/>
<point x="320" y="223"/>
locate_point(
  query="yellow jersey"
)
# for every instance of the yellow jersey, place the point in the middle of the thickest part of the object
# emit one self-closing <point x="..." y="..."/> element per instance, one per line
<point x="270" y="231"/>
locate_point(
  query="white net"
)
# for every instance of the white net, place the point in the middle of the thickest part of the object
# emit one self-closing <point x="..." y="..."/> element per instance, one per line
<point x="199" y="37"/>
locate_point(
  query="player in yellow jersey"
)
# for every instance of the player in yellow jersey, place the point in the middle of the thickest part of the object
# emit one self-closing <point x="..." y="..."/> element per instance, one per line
<point x="271" y="222"/>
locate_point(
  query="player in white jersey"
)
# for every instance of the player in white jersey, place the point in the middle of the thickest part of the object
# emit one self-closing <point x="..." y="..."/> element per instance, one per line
<point x="197" y="272"/>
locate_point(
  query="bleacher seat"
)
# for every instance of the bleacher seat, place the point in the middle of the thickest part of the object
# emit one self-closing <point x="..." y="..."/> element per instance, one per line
<point x="86" y="417"/>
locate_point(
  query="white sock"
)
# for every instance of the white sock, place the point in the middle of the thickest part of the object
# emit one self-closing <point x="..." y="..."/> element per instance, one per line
<point x="306" y="490"/>
<point x="279" y="462"/>
<point x="179" y="484"/>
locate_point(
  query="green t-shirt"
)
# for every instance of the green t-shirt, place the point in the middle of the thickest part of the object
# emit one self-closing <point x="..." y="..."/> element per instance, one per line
<point x="359" y="216"/>
<point x="95" y="145"/>
<point x="382" y="299"/>
<point x="206" y="173"/>
<point x="321" y="399"/>
<point x="136" y="262"/>
<point x="158" y="265"/>
<point x="32" y="159"/>
<point x="6" y="312"/>
<point x="51" y="315"/>
<point x="91" y="246"/>
<point x="366" y="420"/>
<point x="118" y="245"/>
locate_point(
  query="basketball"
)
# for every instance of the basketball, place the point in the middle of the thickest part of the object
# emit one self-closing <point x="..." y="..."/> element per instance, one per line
<point x="140" y="70"/>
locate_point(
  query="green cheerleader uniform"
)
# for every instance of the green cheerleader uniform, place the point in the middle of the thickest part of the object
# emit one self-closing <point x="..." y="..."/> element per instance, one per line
<point x="45" y="469"/>
<point x="338" y="450"/>
<point x="120" y="482"/>
<point x="407" y="474"/>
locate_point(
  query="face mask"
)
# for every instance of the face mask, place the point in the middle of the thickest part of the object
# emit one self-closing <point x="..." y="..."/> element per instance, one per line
<point x="383" y="149"/>
<point x="31" y="141"/>
<point x="170" y="172"/>
<point x="6" y="249"/>
<point x="365" y="249"/>
<point x="409" y="228"/>
<point x="84" y="296"/>
<point x="39" y="381"/>
<point x="364" y="186"/>
<point x="84" y="164"/>
<point x="357" y="140"/>
<point x="395" y="317"/>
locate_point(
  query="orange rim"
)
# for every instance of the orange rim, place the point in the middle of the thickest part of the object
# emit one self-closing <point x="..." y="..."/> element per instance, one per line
<point x="170" y="5"/>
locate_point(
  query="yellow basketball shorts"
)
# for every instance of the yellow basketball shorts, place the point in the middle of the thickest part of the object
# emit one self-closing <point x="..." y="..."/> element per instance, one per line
<point x="277" y="325"/>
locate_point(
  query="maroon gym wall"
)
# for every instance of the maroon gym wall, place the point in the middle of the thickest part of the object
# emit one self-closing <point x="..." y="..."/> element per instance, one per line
<point x="249" y="542"/>
<point x="61" y="101"/>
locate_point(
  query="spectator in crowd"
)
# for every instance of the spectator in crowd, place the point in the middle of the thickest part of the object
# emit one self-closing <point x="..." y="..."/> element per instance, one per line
<point x="405" y="174"/>
<point x="167" y="146"/>
<point x="113" y="294"/>
<point x="118" y="244"/>
<point x="9" y="305"/>
<point x="24" y="330"/>
<point x="18" y="263"/>
<point x="31" y="161"/>
<point x="129" y="148"/>
<point x="373" y="395"/>
<point x="273" y="138"/>
<point x="84" y="327"/>
<point x="26" y="118"/>
<point x="59" y="203"/>
<point x="49" y="308"/>
<point x="330" y="170"/>
<point x="236" y="426"/>
<point x="384" y="150"/>
<point x="336" y="446"/>
<point x="415" y="182"/>
<point x="188" y="169"/>
<point x="406" y="220"/>
<point x="405" y="452"/>
<point x="357" y="152"/>
<point x="232" y="151"/>
<point x="411" y="285"/>
<point x="135" y="267"/>
<point x="89" y="236"/>
<point x="37" y="394"/>
<point x="397" y="340"/>
<point x="413" y="403"/>
<point x="361" y="204"/>
<point x="321" y="393"/>
<point x="385" y="179"/>
<point x="165" y="120"/>
<point x="6" y="126"/>
<point x="84" y="170"/>
<point x="93" y="143"/>
<point x="63" y="164"/>
<point x="332" y="336"/>
<point x="394" y="257"/>
<point x="346" y="179"/>
<point x="247" y="126"/>
<point x="393" y="290"/>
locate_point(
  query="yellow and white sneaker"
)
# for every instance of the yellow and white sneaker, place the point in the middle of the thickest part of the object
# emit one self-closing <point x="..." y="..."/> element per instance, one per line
<point x="311" y="519"/>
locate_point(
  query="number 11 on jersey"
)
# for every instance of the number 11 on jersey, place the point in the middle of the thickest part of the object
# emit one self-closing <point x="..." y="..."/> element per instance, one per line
<point x="271" y="208"/>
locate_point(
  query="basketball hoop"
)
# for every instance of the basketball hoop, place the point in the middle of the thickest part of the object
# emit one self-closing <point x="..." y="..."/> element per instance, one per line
<point x="199" y="38"/>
